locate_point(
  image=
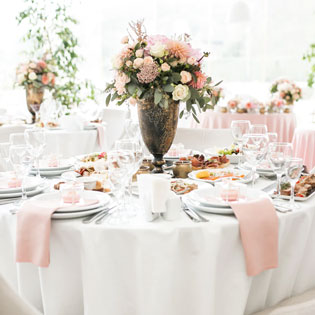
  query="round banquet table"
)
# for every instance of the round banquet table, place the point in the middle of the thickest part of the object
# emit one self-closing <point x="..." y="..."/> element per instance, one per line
<point x="283" y="124"/>
<point x="304" y="145"/>
<point x="160" y="267"/>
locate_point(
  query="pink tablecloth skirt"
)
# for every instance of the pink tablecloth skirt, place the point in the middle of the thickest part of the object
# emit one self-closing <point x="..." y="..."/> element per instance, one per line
<point x="304" y="146"/>
<point x="283" y="124"/>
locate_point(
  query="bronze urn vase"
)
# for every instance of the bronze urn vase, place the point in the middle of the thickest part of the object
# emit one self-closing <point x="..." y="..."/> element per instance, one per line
<point x="34" y="98"/>
<point x="158" y="128"/>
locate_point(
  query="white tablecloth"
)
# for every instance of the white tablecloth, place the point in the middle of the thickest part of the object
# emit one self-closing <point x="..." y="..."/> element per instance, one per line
<point x="173" y="268"/>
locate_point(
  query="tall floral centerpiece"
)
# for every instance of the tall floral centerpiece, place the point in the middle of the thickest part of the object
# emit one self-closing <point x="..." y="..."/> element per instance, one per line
<point x="35" y="77"/>
<point x="286" y="90"/>
<point x="157" y="73"/>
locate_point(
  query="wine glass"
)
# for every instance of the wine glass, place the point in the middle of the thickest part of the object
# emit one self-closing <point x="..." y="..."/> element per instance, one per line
<point x="239" y="128"/>
<point x="255" y="147"/>
<point x="36" y="139"/>
<point x="4" y="155"/>
<point x="21" y="159"/>
<point x="258" y="129"/>
<point x="294" y="167"/>
<point x="36" y="109"/>
<point x="119" y="163"/>
<point x="272" y="137"/>
<point x="279" y="153"/>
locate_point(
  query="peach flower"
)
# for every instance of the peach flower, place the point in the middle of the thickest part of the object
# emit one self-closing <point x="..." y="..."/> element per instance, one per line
<point x="185" y="77"/>
<point x="132" y="101"/>
<point x="125" y="40"/>
<point x="178" y="49"/>
<point x="201" y="80"/>
<point x="128" y="63"/>
<point x="139" y="53"/>
<point x="147" y="60"/>
<point x="42" y="64"/>
<point x="137" y="63"/>
<point x="191" y="60"/>
<point x="45" y="79"/>
<point x="165" y="67"/>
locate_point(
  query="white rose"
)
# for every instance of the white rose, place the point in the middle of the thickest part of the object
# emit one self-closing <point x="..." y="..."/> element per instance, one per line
<point x="139" y="53"/>
<point x="117" y="62"/>
<point x="32" y="76"/>
<point x="20" y="78"/>
<point x="185" y="77"/>
<point x="180" y="92"/>
<point x="158" y="50"/>
<point x="137" y="63"/>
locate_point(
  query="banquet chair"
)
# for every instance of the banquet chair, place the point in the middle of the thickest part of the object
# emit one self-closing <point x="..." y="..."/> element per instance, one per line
<point x="115" y="119"/>
<point x="6" y="131"/>
<point x="201" y="139"/>
<point x="11" y="303"/>
<point x="303" y="304"/>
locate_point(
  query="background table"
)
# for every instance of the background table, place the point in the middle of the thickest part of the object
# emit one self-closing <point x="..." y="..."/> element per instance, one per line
<point x="283" y="124"/>
<point x="304" y="145"/>
<point x="178" y="268"/>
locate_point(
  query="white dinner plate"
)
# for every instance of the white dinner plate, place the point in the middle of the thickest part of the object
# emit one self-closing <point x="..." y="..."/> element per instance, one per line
<point x="209" y="196"/>
<point x="29" y="193"/>
<point x="77" y="214"/>
<point x="261" y="168"/>
<point x="49" y="173"/>
<point x="218" y="172"/>
<point x="30" y="184"/>
<point x="64" y="164"/>
<point x="103" y="199"/>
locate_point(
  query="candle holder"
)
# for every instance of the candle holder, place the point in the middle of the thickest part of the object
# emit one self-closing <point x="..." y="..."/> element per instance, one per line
<point x="181" y="169"/>
<point x="71" y="192"/>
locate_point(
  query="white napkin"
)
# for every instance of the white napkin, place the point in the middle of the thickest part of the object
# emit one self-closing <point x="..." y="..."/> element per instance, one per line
<point x="156" y="197"/>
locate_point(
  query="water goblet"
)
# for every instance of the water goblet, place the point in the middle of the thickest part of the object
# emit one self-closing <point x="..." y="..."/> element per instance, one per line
<point x="239" y="128"/>
<point x="294" y="167"/>
<point x="36" y="139"/>
<point x="255" y="147"/>
<point x="258" y="129"/>
<point x="278" y="154"/>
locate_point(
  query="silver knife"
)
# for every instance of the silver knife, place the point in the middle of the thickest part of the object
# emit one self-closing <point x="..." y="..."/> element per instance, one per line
<point x="270" y="187"/>
<point x="88" y="220"/>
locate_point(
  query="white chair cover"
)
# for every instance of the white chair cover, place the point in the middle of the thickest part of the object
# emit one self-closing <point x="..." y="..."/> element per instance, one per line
<point x="6" y="131"/>
<point x="115" y="119"/>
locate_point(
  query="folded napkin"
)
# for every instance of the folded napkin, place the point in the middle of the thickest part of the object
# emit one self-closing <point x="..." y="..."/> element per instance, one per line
<point x="157" y="198"/>
<point x="101" y="139"/>
<point x="33" y="230"/>
<point x="259" y="234"/>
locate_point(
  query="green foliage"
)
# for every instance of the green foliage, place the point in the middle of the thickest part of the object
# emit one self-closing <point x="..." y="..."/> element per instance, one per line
<point x="49" y="29"/>
<point x="310" y="57"/>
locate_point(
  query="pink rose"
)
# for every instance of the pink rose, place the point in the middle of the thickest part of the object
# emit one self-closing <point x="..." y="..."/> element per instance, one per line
<point x="125" y="40"/>
<point x="139" y="53"/>
<point x="137" y="63"/>
<point x="185" y="77"/>
<point x="120" y="81"/>
<point x="128" y="63"/>
<point x="147" y="60"/>
<point x="165" y="66"/>
<point x="42" y="64"/>
<point x="282" y="94"/>
<point x="174" y="63"/>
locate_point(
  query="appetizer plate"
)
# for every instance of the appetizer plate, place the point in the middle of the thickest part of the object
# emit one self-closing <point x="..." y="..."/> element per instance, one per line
<point x="30" y="184"/>
<point x="216" y="175"/>
<point x="103" y="199"/>
<point x="272" y="195"/>
<point x="29" y="193"/>
<point x="232" y="157"/>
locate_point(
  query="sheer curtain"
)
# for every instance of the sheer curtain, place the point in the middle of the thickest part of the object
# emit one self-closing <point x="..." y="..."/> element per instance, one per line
<point x="249" y="40"/>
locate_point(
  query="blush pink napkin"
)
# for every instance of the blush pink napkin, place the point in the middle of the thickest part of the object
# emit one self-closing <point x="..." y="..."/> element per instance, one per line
<point x="259" y="234"/>
<point x="101" y="136"/>
<point x="33" y="230"/>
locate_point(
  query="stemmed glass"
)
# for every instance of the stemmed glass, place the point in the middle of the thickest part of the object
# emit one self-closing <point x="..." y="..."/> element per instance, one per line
<point x="279" y="153"/>
<point x="255" y="147"/>
<point x="4" y="155"/>
<point x="21" y="160"/>
<point x="36" y="109"/>
<point x="258" y="129"/>
<point x="119" y="162"/>
<point x="272" y="137"/>
<point x="294" y="167"/>
<point x="36" y="139"/>
<point x="239" y="128"/>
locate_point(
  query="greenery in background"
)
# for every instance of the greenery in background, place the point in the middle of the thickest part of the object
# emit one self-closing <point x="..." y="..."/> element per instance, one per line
<point x="310" y="57"/>
<point x="49" y="33"/>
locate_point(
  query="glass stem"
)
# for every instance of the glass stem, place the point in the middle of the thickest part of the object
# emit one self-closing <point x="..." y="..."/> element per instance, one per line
<point x="292" y="196"/>
<point x="278" y="185"/>
<point x="24" y="197"/>
<point x="253" y="175"/>
<point x="240" y="147"/>
<point x="37" y="167"/>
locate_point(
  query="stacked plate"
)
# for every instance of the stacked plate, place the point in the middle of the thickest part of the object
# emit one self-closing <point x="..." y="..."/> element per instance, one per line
<point x="63" y="166"/>
<point x="33" y="187"/>
<point x="263" y="168"/>
<point x="208" y="200"/>
<point x="78" y="210"/>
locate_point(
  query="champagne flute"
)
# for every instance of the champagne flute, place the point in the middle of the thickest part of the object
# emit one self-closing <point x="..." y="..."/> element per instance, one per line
<point x="21" y="160"/>
<point x="294" y="167"/>
<point x="36" y="139"/>
<point x="279" y="153"/>
<point x="255" y="147"/>
<point x="239" y="128"/>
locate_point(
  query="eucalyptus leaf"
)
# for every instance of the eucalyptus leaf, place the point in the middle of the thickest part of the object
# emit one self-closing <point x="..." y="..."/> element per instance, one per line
<point x="108" y="99"/>
<point x="176" y="77"/>
<point x="157" y="96"/>
<point x="168" y="88"/>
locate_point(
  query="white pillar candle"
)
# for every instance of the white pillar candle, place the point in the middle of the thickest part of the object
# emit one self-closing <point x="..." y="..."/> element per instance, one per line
<point x="160" y="191"/>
